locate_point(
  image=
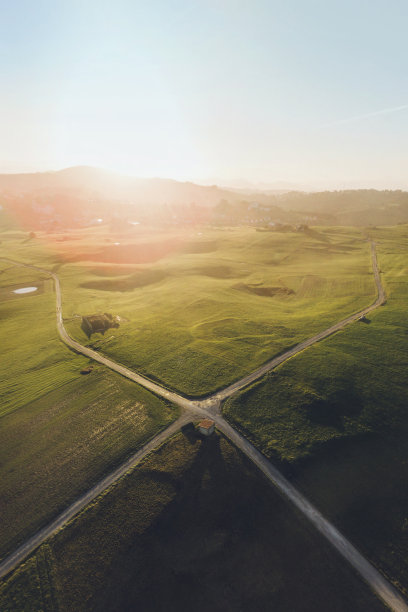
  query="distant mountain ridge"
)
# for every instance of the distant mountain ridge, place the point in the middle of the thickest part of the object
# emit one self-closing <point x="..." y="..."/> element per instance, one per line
<point x="103" y="192"/>
<point x="112" y="186"/>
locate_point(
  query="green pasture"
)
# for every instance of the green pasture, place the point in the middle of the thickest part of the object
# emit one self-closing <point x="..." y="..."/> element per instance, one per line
<point x="194" y="527"/>
<point x="336" y="417"/>
<point x="60" y="431"/>
<point x="222" y="304"/>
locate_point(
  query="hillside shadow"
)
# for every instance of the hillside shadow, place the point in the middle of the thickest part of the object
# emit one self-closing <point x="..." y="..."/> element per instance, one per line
<point x="174" y="539"/>
<point x="331" y="412"/>
<point x="280" y="291"/>
<point x="141" y="278"/>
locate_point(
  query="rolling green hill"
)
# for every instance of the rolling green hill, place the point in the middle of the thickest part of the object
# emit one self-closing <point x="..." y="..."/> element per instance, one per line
<point x="220" y="303"/>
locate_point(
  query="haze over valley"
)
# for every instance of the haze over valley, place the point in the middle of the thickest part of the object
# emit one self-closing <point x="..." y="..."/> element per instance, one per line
<point x="84" y="196"/>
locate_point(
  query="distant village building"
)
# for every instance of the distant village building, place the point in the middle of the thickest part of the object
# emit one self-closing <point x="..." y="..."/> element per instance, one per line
<point x="206" y="427"/>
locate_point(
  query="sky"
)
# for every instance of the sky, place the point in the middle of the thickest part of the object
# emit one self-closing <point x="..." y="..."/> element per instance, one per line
<point x="310" y="93"/>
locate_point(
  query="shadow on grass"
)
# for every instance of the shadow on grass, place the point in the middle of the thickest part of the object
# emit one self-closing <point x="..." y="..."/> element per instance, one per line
<point x="190" y="433"/>
<point x="201" y="493"/>
<point x="332" y="411"/>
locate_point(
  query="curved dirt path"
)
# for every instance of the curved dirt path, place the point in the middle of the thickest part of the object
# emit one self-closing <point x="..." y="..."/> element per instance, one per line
<point x="210" y="407"/>
<point x="211" y="402"/>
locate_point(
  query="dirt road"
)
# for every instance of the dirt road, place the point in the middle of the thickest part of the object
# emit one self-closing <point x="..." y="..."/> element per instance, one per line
<point x="271" y="365"/>
<point x="38" y="538"/>
<point x="210" y="407"/>
<point x="378" y="583"/>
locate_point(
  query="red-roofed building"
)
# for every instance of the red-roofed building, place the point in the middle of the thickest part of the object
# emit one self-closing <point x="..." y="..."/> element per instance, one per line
<point x="206" y="427"/>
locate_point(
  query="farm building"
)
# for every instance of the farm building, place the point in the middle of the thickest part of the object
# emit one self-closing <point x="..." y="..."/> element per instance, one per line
<point x="206" y="427"/>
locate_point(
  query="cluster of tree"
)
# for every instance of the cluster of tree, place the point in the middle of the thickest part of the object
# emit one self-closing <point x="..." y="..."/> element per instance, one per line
<point x="77" y="197"/>
<point x="350" y="207"/>
<point x="334" y="202"/>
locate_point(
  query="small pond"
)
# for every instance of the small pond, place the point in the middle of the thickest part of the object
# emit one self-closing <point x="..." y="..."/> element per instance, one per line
<point x="25" y="290"/>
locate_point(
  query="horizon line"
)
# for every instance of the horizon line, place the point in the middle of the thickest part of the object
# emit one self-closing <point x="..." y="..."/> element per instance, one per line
<point x="239" y="184"/>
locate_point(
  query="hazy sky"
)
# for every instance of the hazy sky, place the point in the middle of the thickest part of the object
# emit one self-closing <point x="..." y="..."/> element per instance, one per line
<point x="307" y="91"/>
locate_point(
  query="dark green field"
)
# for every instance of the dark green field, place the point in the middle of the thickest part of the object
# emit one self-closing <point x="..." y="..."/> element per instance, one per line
<point x="336" y="417"/>
<point x="195" y="527"/>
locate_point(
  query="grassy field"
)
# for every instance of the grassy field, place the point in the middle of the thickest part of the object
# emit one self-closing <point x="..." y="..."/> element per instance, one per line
<point x="336" y="416"/>
<point x="196" y="526"/>
<point x="202" y="308"/>
<point x="205" y="308"/>
<point x="60" y="431"/>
